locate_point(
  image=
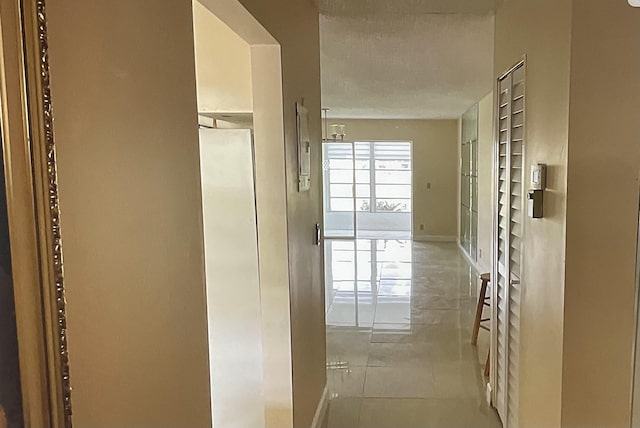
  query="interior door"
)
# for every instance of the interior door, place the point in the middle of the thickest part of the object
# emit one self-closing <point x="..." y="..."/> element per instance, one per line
<point x="507" y="244"/>
<point x="339" y="190"/>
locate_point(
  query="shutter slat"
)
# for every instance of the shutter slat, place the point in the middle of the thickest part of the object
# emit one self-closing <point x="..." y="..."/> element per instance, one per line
<point x="508" y="240"/>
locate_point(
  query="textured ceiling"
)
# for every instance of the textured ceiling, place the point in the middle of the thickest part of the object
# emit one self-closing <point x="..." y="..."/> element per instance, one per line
<point x="403" y="64"/>
<point x="362" y="8"/>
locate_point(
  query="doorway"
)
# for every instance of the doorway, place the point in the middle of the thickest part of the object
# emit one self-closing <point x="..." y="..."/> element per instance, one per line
<point x="242" y="161"/>
<point x="368" y="189"/>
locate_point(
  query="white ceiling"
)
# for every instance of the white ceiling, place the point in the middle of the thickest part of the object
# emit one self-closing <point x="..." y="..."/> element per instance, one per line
<point x="409" y="59"/>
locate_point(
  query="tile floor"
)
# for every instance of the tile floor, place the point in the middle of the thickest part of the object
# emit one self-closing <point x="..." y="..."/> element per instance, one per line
<point x="399" y="319"/>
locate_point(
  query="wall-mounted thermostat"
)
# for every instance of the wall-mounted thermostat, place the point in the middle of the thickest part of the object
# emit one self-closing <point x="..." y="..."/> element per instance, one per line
<point x="538" y="176"/>
<point x="535" y="197"/>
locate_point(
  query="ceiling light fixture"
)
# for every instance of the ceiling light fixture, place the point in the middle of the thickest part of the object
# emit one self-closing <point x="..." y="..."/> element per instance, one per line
<point x="634" y="3"/>
<point x="338" y="131"/>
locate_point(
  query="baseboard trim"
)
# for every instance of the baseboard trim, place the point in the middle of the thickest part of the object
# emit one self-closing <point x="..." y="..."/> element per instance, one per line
<point x="321" y="411"/>
<point x="434" y="238"/>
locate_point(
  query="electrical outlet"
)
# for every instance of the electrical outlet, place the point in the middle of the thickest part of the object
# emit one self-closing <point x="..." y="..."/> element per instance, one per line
<point x="428" y="186"/>
<point x="422" y="227"/>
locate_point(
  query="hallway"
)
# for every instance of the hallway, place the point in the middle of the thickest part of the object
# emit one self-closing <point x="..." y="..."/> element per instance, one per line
<point x="398" y="337"/>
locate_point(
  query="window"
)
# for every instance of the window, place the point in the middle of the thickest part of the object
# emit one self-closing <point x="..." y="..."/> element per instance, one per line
<point x="367" y="189"/>
<point x="385" y="188"/>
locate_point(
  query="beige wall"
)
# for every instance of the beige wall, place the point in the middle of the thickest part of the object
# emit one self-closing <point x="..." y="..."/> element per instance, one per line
<point x="273" y="246"/>
<point x="271" y="207"/>
<point x="541" y="30"/>
<point x="129" y="178"/>
<point x="223" y="65"/>
<point x="123" y="81"/>
<point x="300" y="40"/>
<point x="602" y="214"/>
<point x="304" y="371"/>
<point x="435" y="161"/>
<point x="485" y="182"/>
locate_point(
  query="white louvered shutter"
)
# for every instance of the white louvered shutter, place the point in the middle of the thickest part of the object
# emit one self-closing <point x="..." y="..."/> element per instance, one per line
<point x="508" y="245"/>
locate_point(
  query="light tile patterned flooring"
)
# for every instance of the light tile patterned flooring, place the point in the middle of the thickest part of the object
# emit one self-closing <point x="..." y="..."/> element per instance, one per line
<point x="399" y="319"/>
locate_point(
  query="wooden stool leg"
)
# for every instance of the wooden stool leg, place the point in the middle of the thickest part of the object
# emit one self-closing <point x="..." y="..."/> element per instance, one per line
<point x="487" y="366"/>
<point x="476" y="325"/>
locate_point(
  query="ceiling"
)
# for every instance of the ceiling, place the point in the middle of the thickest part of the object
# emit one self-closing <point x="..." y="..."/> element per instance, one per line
<point x="405" y="59"/>
<point x="361" y="8"/>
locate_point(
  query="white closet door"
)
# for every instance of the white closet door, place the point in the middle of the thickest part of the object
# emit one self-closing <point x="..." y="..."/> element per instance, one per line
<point x="508" y="245"/>
<point x="232" y="278"/>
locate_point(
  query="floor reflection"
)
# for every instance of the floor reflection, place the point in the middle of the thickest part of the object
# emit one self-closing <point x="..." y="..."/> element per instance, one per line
<point x="360" y="275"/>
<point x="399" y="318"/>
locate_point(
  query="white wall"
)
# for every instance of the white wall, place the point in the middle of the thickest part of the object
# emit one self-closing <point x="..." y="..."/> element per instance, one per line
<point x="223" y="65"/>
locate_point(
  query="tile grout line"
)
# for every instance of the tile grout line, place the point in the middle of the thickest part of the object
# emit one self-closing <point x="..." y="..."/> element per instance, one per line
<point x="442" y="272"/>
